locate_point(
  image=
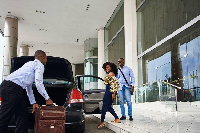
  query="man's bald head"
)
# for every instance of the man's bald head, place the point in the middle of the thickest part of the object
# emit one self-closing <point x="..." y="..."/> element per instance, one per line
<point x="41" y="56"/>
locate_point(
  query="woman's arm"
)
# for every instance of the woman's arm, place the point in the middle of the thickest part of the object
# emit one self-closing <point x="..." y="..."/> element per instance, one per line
<point x="113" y="96"/>
<point x="114" y="85"/>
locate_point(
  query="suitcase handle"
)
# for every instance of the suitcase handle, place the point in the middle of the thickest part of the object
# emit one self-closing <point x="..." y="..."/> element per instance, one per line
<point x="50" y="105"/>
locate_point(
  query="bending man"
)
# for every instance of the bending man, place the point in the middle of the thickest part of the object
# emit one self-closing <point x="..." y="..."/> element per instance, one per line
<point x="12" y="92"/>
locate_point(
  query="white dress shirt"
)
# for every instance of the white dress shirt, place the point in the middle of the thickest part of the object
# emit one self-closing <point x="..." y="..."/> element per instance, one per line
<point x="26" y="75"/>
<point x="128" y="73"/>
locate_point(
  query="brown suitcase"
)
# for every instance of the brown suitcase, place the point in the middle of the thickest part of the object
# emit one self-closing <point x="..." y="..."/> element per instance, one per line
<point x="50" y="119"/>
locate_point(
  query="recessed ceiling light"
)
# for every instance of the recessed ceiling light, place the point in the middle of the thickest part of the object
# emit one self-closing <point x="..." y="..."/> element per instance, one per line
<point x="9" y="12"/>
<point x="88" y="5"/>
<point x="40" y="11"/>
<point x="86" y="9"/>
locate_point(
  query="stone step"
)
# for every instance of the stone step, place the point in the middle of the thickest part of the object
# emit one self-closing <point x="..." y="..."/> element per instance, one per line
<point x="146" y="121"/>
<point x="116" y="127"/>
<point x="189" y="109"/>
<point x="156" y="106"/>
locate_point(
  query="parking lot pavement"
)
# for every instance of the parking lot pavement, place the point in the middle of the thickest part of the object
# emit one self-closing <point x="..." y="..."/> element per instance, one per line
<point x="90" y="127"/>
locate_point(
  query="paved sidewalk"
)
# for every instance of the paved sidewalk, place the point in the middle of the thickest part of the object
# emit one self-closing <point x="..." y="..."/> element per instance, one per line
<point x="91" y="127"/>
<point x="146" y="121"/>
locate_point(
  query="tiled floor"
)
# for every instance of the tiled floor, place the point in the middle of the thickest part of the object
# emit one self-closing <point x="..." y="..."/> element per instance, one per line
<point x="146" y="121"/>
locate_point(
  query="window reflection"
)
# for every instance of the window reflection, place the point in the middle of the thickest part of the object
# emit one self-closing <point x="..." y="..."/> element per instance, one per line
<point x="183" y="72"/>
<point x="190" y="56"/>
<point x="160" y="68"/>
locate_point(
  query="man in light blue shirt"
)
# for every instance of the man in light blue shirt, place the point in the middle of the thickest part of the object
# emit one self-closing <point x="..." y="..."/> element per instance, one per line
<point x="12" y="92"/>
<point x="126" y="81"/>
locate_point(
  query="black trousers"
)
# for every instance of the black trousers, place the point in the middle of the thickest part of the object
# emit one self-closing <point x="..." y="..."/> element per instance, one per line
<point x="13" y="103"/>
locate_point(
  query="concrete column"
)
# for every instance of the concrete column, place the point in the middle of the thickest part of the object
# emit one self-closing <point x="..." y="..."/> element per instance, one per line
<point x="24" y="50"/>
<point x="105" y="44"/>
<point x="101" y="72"/>
<point x="73" y="69"/>
<point x="130" y="27"/>
<point x="11" y="40"/>
<point x="177" y="71"/>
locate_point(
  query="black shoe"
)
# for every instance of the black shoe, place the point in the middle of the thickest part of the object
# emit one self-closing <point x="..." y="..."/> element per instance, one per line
<point x="123" y="118"/>
<point x="131" y="118"/>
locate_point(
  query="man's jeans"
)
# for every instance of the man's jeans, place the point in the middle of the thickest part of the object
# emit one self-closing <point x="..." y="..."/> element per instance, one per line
<point x="125" y="94"/>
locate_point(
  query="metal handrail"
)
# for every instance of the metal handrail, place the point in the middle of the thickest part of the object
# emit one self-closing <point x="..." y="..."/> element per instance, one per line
<point x="171" y="84"/>
<point x="157" y="81"/>
<point x="176" y="88"/>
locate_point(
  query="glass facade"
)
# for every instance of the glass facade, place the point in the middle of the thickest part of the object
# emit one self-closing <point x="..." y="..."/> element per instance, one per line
<point x="190" y="57"/>
<point x="177" y="59"/>
<point x="91" y="56"/>
<point x="116" y="49"/>
<point x="157" y="19"/>
<point x="114" y="35"/>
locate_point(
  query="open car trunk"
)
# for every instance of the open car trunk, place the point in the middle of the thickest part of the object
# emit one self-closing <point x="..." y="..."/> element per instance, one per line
<point x="58" y="79"/>
<point x="59" y="94"/>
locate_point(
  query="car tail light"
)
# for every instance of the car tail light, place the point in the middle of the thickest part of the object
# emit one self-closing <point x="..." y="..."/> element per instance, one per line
<point x="0" y="100"/>
<point x="76" y="97"/>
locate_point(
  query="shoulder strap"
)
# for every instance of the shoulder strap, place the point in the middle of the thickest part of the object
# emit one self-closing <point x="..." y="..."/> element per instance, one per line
<point x="124" y="76"/>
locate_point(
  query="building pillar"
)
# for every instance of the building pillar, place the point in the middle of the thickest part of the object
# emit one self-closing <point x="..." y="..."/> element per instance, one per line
<point x="177" y="71"/>
<point x="24" y="50"/>
<point x="11" y="40"/>
<point x="130" y="28"/>
<point x="73" y="69"/>
<point x="101" y="72"/>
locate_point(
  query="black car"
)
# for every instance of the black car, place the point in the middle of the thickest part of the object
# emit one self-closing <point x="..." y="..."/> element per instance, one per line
<point x="60" y="85"/>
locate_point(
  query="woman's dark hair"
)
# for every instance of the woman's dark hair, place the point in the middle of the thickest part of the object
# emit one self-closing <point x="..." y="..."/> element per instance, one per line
<point x="113" y="67"/>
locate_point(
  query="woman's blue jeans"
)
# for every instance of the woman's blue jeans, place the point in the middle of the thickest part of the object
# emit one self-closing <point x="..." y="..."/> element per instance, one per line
<point x="107" y="104"/>
<point x="125" y="94"/>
